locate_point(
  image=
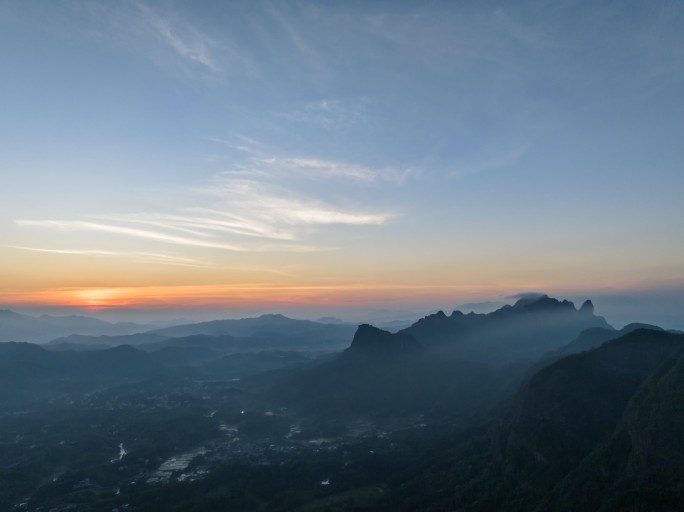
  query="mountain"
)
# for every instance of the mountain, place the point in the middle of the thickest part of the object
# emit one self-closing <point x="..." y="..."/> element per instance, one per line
<point x="592" y="338"/>
<point x="565" y="413"/>
<point x="276" y="331"/>
<point x="81" y="340"/>
<point x="262" y="326"/>
<point x="371" y="340"/>
<point x="441" y="365"/>
<point x="19" y="327"/>
<point x="390" y="375"/>
<point x="267" y="332"/>
<point x="519" y="333"/>
<point x="642" y="466"/>
<point x="30" y="374"/>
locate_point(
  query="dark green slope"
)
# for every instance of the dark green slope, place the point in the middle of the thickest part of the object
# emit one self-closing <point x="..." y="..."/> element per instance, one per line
<point x="641" y="468"/>
<point x="600" y="430"/>
<point x="570" y="407"/>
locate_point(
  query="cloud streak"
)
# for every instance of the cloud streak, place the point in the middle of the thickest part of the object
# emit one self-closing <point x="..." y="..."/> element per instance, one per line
<point x="183" y="39"/>
<point x="265" y="204"/>
<point x="164" y="259"/>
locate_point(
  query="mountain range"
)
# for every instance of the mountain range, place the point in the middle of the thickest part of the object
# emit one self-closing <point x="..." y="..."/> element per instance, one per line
<point x="538" y="406"/>
<point x="18" y="327"/>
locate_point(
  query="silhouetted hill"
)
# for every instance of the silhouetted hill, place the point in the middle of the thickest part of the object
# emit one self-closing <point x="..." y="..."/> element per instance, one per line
<point x="19" y="327"/>
<point x="275" y="331"/>
<point x="384" y="374"/>
<point x="107" y="340"/>
<point x="517" y="333"/>
<point x="30" y="374"/>
<point x="564" y="413"/>
<point x="371" y="340"/>
<point x="642" y="466"/>
<point x="591" y="338"/>
<point x="263" y="325"/>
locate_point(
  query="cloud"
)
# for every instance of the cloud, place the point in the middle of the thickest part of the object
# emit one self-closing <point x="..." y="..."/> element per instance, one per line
<point x="272" y="167"/>
<point x="75" y="225"/>
<point x="164" y="259"/>
<point x="330" y="114"/>
<point x="265" y="204"/>
<point x="527" y="295"/>
<point x="185" y="40"/>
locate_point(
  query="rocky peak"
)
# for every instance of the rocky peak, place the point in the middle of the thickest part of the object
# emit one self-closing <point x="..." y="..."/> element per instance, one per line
<point x="587" y="307"/>
<point x="371" y="339"/>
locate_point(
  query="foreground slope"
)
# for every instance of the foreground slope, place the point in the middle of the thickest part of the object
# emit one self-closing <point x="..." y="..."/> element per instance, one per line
<point x="588" y="432"/>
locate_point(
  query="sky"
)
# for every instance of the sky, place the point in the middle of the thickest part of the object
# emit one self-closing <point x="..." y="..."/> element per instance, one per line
<point x="341" y="156"/>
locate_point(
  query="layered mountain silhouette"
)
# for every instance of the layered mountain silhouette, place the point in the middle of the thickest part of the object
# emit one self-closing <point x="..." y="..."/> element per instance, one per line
<point x="519" y="333"/>
<point x="264" y="326"/>
<point x="266" y="332"/>
<point x="541" y="406"/>
<point x="18" y="327"/>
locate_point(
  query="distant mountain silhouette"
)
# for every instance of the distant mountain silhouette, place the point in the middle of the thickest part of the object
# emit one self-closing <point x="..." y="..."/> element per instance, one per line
<point x="275" y="331"/>
<point x="330" y="320"/>
<point x="371" y="340"/>
<point x="267" y="332"/>
<point x="40" y="329"/>
<point x="521" y="332"/>
<point x="136" y="339"/>
<point x="263" y="325"/>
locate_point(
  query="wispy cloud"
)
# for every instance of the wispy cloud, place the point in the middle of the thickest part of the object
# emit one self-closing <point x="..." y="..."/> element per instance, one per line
<point x="262" y="164"/>
<point x="265" y="204"/>
<point x="76" y="225"/>
<point x="184" y="40"/>
<point x="330" y="114"/>
<point x="159" y="258"/>
<point x="269" y="208"/>
<point x="505" y="158"/>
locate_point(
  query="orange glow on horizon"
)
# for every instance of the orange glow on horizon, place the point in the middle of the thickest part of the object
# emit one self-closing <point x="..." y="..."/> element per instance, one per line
<point x="246" y="295"/>
<point x="270" y="295"/>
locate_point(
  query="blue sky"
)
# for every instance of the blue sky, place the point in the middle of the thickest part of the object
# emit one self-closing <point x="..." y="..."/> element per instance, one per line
<point x="413" y="154"/>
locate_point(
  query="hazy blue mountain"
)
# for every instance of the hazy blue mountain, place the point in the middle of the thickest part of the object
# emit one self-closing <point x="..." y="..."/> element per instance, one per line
<point x="40" y="329"/>
<point x="330" y="320"/>
<point x="228" y="336"/>
<point x="592" y="338"/>
<point x="106" y="340"/>
<point x="277" y="331"/>
<point x="390" y="375"/>
<point x="410" y="424"/>
<point x="521" y="332"/>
